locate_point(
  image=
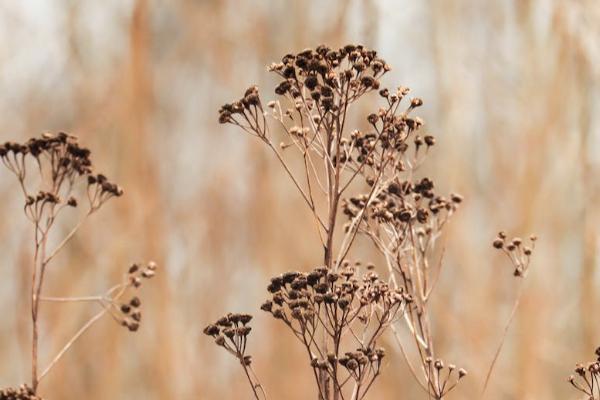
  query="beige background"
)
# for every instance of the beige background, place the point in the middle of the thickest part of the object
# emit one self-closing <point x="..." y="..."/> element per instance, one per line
<point x="512" y="93"/>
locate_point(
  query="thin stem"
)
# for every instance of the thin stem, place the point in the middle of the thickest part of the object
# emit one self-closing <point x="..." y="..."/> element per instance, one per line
<point x="503" y="339"/>
<point x="70" y="343"/>
<point x="81" y="331"/>
<point x="67" y="238"/>
<point x="71" y="299"/>
<point x="245" y="367"/>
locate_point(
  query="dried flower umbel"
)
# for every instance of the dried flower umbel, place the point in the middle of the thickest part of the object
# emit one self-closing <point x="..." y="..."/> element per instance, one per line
<point x="55" y="174"/>
<point x="586" y="378"/>
<point x="231" y="333"/>
<point x="352" y="311"/>
<point x="369" y="178"/>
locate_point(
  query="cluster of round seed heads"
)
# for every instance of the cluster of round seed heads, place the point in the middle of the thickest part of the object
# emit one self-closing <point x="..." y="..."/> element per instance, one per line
<point x="66" y="155"/>
<point x="337" y="301"/>
<point x="137" y="273"/>
<point x="587" y="378"/>
<point x="246" y="112"/>
<point x="321" y="74"/>
<point x="130" y="312"/>
<point x="357" y="363"/>
<point x="231" y="332"/>
<point x="385" y="145"/>
<point x="23" y="392"/>
<point x="102" y="189"/>
<point x="446" y="377"/>
<point x="403" y="203"/>
<point x="298" y="297"/>
<point x="518" y="253"/>
<point x="61" y="160"/>
<point x="316" y="79"/>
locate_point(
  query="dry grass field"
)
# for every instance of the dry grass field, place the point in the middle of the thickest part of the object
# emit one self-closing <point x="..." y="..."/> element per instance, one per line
<point x="511" y="92"/>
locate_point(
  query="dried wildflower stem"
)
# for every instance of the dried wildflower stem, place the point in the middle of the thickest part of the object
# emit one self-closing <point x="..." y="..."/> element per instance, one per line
<point x="411" y="368"/>
<point x="253" y="385"/>
<point x="519" y="256"/>
<point x="63" y="165"/>
<point x="503" y="338"/>
<point x="67" y="238"/>
<point x="72" y="299"/>
<point x="72" y="341"/>
<point x="330" y="307"/>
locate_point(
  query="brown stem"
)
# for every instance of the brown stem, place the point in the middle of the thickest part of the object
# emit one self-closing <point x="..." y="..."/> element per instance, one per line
<point x="249" y="379"/>
<point x="503" y="339"/>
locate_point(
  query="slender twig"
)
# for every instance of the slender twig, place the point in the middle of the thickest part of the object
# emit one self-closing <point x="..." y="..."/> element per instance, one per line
<point x="503" y="338"/>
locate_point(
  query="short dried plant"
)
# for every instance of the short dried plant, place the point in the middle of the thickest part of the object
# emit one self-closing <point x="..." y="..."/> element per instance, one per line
<point x="56" y="177"/>
<point x="355" y="183"/>
<point x="587" y="378"/>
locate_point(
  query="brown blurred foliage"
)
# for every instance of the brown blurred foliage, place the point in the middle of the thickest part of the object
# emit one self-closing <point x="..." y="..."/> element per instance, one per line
<point x="511" y="90"/>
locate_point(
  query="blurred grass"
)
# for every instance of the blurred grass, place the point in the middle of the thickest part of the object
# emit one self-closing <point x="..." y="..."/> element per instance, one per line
<point x="511" y="91"/>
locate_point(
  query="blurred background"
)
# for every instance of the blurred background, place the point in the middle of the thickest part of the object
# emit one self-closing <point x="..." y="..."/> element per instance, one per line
<point x="511" y="91"/>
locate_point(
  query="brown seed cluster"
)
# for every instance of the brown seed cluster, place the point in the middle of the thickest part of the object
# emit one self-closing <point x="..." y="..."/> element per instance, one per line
<point x="446" y="377"/>
<point x="402" y="203"/>
<point x="67" y="157"/>
<point x="587" y="378"/>
<point x="518" y="253"/>
<point x="61" y="162"/>
<point x="23" y="392"/>
<point x="387" y="142"/>
<point x="231" y="332"/>
<point x="322" y="73"/>
<point x="130" y="313"/>
<point x="339" y="302"/>
<point x="317" y="77"/>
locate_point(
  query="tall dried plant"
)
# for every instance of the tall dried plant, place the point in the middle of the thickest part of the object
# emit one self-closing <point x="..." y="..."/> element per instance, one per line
<point x="355" y="182"/>
<point x="55" y="174"/>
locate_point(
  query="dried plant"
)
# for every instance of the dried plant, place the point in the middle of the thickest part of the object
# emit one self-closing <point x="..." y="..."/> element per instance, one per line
<point x="55" y="174"/>
<point x="231" y="332"/>
<point x="587" y="378"/>
<point x="519" y="256"/>
<point x="369" y="178"/>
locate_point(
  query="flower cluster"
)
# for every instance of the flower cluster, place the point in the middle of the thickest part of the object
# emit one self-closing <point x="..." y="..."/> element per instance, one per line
<point x="61" y="162"/>
<point x="386" y="143"/>
<point x="67" y="157"/>
<point x="325" y="72"/>
<point x="131" y="312"/>
<point x="338" y="302"/>
<point x="317" y="78"/>
<point x="231" y="332"/>
<point x="587" y="378"/>
<point x="403" y="203"/>
<point x="518" y="253"/>
<point x="445" y="377"/>
<point x="24" y="392"/>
